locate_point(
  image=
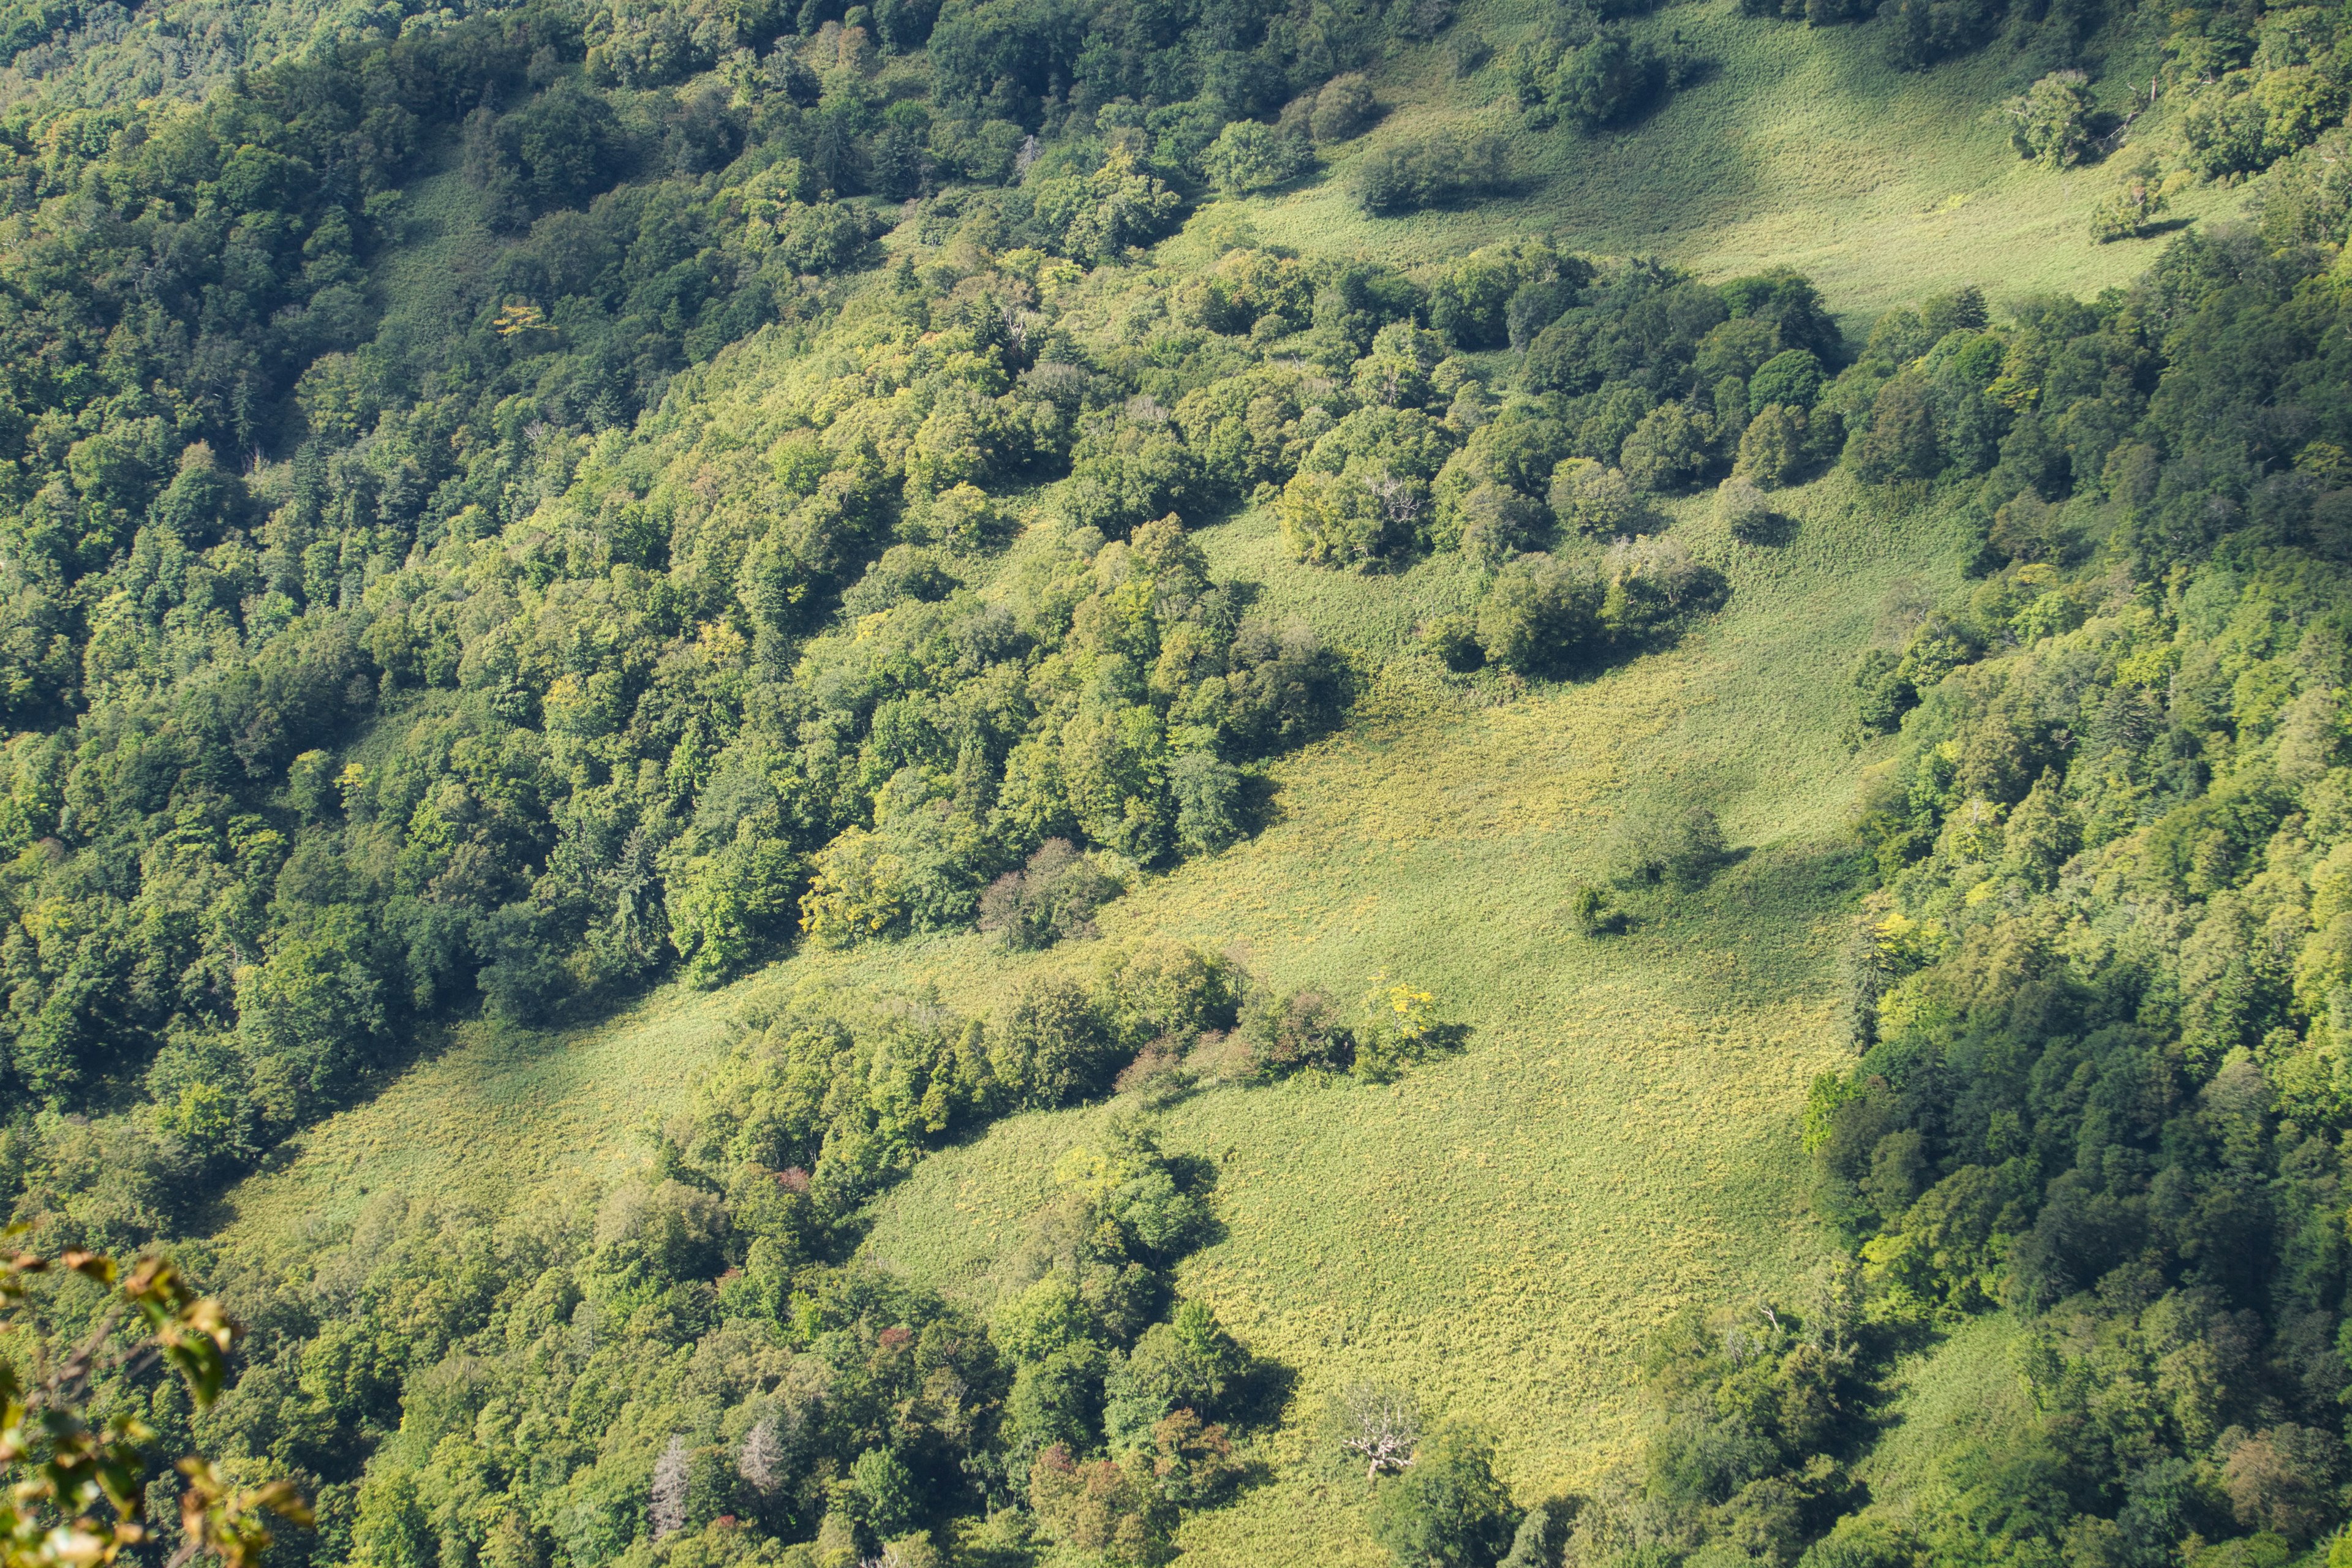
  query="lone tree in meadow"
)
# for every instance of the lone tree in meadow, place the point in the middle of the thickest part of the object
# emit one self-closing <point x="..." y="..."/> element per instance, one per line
<point x="2050" y="123"/>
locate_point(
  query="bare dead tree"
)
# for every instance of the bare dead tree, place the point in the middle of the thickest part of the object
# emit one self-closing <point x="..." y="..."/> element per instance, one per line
<point x="1397" y="497"/>
<point x="761" y="1461"/>
<point x="1381" y="1426"/>
<point x="667" y="1511"/>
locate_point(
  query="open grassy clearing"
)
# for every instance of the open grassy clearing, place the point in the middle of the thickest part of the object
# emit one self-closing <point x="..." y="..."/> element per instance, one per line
<point x="1802" y="147"/>
<point x="1962" y="1392"/>
<point x="1501" y="1229"/>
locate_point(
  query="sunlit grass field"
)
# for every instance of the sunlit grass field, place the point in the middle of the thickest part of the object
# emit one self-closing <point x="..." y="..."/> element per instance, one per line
<point x="1799" y="147"/>
<point x="1502" y="1229"/>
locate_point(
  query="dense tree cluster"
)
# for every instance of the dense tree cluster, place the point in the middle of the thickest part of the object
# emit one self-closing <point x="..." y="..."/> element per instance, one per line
<point x="1591" y="74"/>
<point x="2097" y="993"/>
<point x="1919" y="33"/>
<point x="2258" y="85"/>
<point x="363" y="667"/>
<point x="698" y="1361"/>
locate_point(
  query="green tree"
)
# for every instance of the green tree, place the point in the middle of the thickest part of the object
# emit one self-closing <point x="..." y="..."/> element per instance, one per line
<point x="1248" y="156"/>
<point x="1900" y="441"/>
<point x="1669" y="449"/>
<point x="2050" y="123"/>
<point x="1543" y="615"/>
<point x="1448" y="1509"/>
<point x="1792" y="378"/>
<point x="1772" y="448"/>
<point x="1594" y="500"/>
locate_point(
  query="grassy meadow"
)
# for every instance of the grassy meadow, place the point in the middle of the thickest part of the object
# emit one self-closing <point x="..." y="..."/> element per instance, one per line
<point x="1798" y="147"/>
<point x="1500" y="1230"/>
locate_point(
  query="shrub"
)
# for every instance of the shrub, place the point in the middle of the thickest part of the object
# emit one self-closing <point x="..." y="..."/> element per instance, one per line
<point x="1300" y="1030"/>
<point x="2050" y="124"/>
<point x="1652" y="582"/>
<point x="1053" y="897"/>
<point x="1250" y="156"/>
<point x="1400" y="1026"/>
<point x="1429" y="173"/>
<point x="1543" y="615"/>
<point x="1453" y="640"/>
<point x="1683" y="852"/>
<point x="1740" y="507"/>
<point x="2131" y="210"/>
<point x="1591" y="912"/>
<point x="1343" y="110"/>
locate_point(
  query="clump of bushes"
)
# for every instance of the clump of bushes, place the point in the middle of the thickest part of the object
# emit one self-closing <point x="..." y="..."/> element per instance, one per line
<point x="1683" y="852"/>
<point x="1553" y="614"/>
<point x="1342" y="109"/>
<point x="2131" y="209"/>
<point x="1249" y="155"/>
<point x="1054" y="896"/>
<point x="1592" y="76"/>
<point x="1397" y="1024"/>
<point x="1744" y="508"/>
<point x="1430" y="173"/>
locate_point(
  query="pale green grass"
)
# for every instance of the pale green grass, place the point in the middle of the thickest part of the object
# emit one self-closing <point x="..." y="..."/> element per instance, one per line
<point x="1964" y="1389"/>
<point x="502" y="1111"/>
<point x="1502" y="1229"/>
<point x="1803" y="149"/>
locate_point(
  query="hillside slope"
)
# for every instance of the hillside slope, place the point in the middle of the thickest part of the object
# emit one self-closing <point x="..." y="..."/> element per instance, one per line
<point x="676" y="515"/>
<point x="1501" y="1231"/>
